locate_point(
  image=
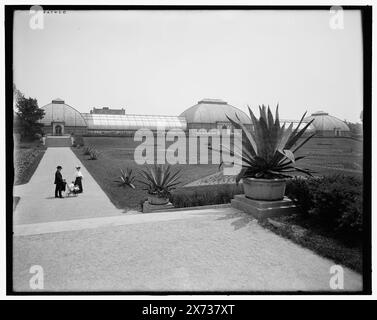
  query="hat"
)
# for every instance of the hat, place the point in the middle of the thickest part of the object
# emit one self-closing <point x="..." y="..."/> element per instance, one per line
<point x="59" y="167"/>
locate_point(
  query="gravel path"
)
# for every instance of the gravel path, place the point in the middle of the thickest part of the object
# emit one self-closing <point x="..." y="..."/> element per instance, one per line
<point x="218" y="250"/>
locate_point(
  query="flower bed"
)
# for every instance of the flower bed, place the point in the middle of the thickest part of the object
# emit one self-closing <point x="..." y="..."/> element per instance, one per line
<point x="26" y="161"/>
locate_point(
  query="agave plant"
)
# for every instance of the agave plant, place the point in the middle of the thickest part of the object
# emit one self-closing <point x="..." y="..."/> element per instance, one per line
<point x="126" y="178"/>
<point x="268" y="149"/>
<point x="87" y="150"/>
<point x="160" y="180"/>
<point x="93" y="154"/>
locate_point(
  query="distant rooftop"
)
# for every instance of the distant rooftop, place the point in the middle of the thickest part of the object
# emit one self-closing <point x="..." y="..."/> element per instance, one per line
<point x="107" y="110"/>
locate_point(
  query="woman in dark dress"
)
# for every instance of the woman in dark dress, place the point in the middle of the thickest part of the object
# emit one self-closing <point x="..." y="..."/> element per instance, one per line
<point x="78" y="179"/>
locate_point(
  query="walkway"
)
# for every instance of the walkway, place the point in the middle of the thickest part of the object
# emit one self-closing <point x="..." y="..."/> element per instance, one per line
<point x="38" y="203"/>
<point x="200" y="250"/>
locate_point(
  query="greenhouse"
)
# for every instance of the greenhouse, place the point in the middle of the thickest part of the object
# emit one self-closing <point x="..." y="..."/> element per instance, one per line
<point x="328" y="126"/>
<point x="212" y="114"/>
<point x="62" y="119"/>
<point x="103" y="124"/>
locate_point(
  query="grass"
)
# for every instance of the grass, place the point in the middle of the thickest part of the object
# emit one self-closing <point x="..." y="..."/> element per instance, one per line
<point x="27" y="156"/>
<point x="337" y="155"/>
<point x="324" y="156"/>
<point x="117" y="153"/>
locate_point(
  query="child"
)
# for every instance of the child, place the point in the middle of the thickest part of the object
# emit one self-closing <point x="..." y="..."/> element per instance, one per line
<point x="72" y="189"/>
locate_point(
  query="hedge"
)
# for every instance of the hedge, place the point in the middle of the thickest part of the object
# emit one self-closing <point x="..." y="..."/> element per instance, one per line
<point x="334" y="202"/>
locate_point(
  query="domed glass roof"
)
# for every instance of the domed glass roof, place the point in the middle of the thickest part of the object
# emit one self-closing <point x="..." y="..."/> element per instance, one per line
<point x="58" y="111"/>
<point x="212" y="111"/>
<point x="324" y="122"/>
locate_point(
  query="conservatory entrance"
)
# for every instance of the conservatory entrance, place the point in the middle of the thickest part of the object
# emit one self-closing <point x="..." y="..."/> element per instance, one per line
<point x="57" y="128"/>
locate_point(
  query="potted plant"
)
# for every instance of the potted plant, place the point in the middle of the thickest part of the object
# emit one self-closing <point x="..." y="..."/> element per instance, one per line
<point x="160" y="181"/>
<point x="268" y="154"/>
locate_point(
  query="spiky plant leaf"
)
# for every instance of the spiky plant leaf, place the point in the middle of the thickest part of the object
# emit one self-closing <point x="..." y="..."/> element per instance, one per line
<point x="267" y="146"/>
<point x="160" y="179"/>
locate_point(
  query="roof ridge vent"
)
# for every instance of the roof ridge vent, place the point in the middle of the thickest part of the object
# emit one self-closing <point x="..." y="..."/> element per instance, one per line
<point x="212" y="101"/>
<point x="320" y="113"/>
<point x="58" y="100"/>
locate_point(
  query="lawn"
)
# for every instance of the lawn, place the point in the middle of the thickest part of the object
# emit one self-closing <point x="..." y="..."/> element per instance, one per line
<point x="337" y="155"/>
<point x="117" y="153"/>
<point x="325" y="156"/>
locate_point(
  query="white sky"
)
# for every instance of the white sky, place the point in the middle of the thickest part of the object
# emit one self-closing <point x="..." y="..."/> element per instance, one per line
<point x="162" y="62"/>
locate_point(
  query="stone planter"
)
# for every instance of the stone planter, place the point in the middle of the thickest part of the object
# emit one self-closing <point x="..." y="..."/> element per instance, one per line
<point x="157" y="200"/>
<point x="264" y="189"/>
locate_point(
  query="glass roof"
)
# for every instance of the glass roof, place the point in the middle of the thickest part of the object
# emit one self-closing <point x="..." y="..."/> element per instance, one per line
<point x="58" y="111"/>
<point x="132" y="121"/>
<point x="213" y="111"/>
<point x="296" y="123"/>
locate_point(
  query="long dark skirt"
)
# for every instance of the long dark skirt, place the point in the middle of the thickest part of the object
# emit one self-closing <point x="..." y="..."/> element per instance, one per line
<point x="78" y="182"/>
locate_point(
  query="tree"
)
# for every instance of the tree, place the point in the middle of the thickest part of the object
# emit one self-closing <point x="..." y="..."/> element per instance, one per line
<point x="16" y="95"/>
<point x="356" y="128"/>
<point x="28" y="114"/>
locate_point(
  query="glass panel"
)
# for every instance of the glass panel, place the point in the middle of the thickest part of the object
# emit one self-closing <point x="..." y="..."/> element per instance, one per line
<point x="133" y="122"/>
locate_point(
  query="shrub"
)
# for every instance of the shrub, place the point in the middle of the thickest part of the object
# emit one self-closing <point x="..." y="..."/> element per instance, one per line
<point x="93" y="154"/>
<point x="334" y="202"/>
<point x="88" y="150"/>
<point x="204" y="195"/>
<point x="299" y="190"/>
<point x="79" y="140"/>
